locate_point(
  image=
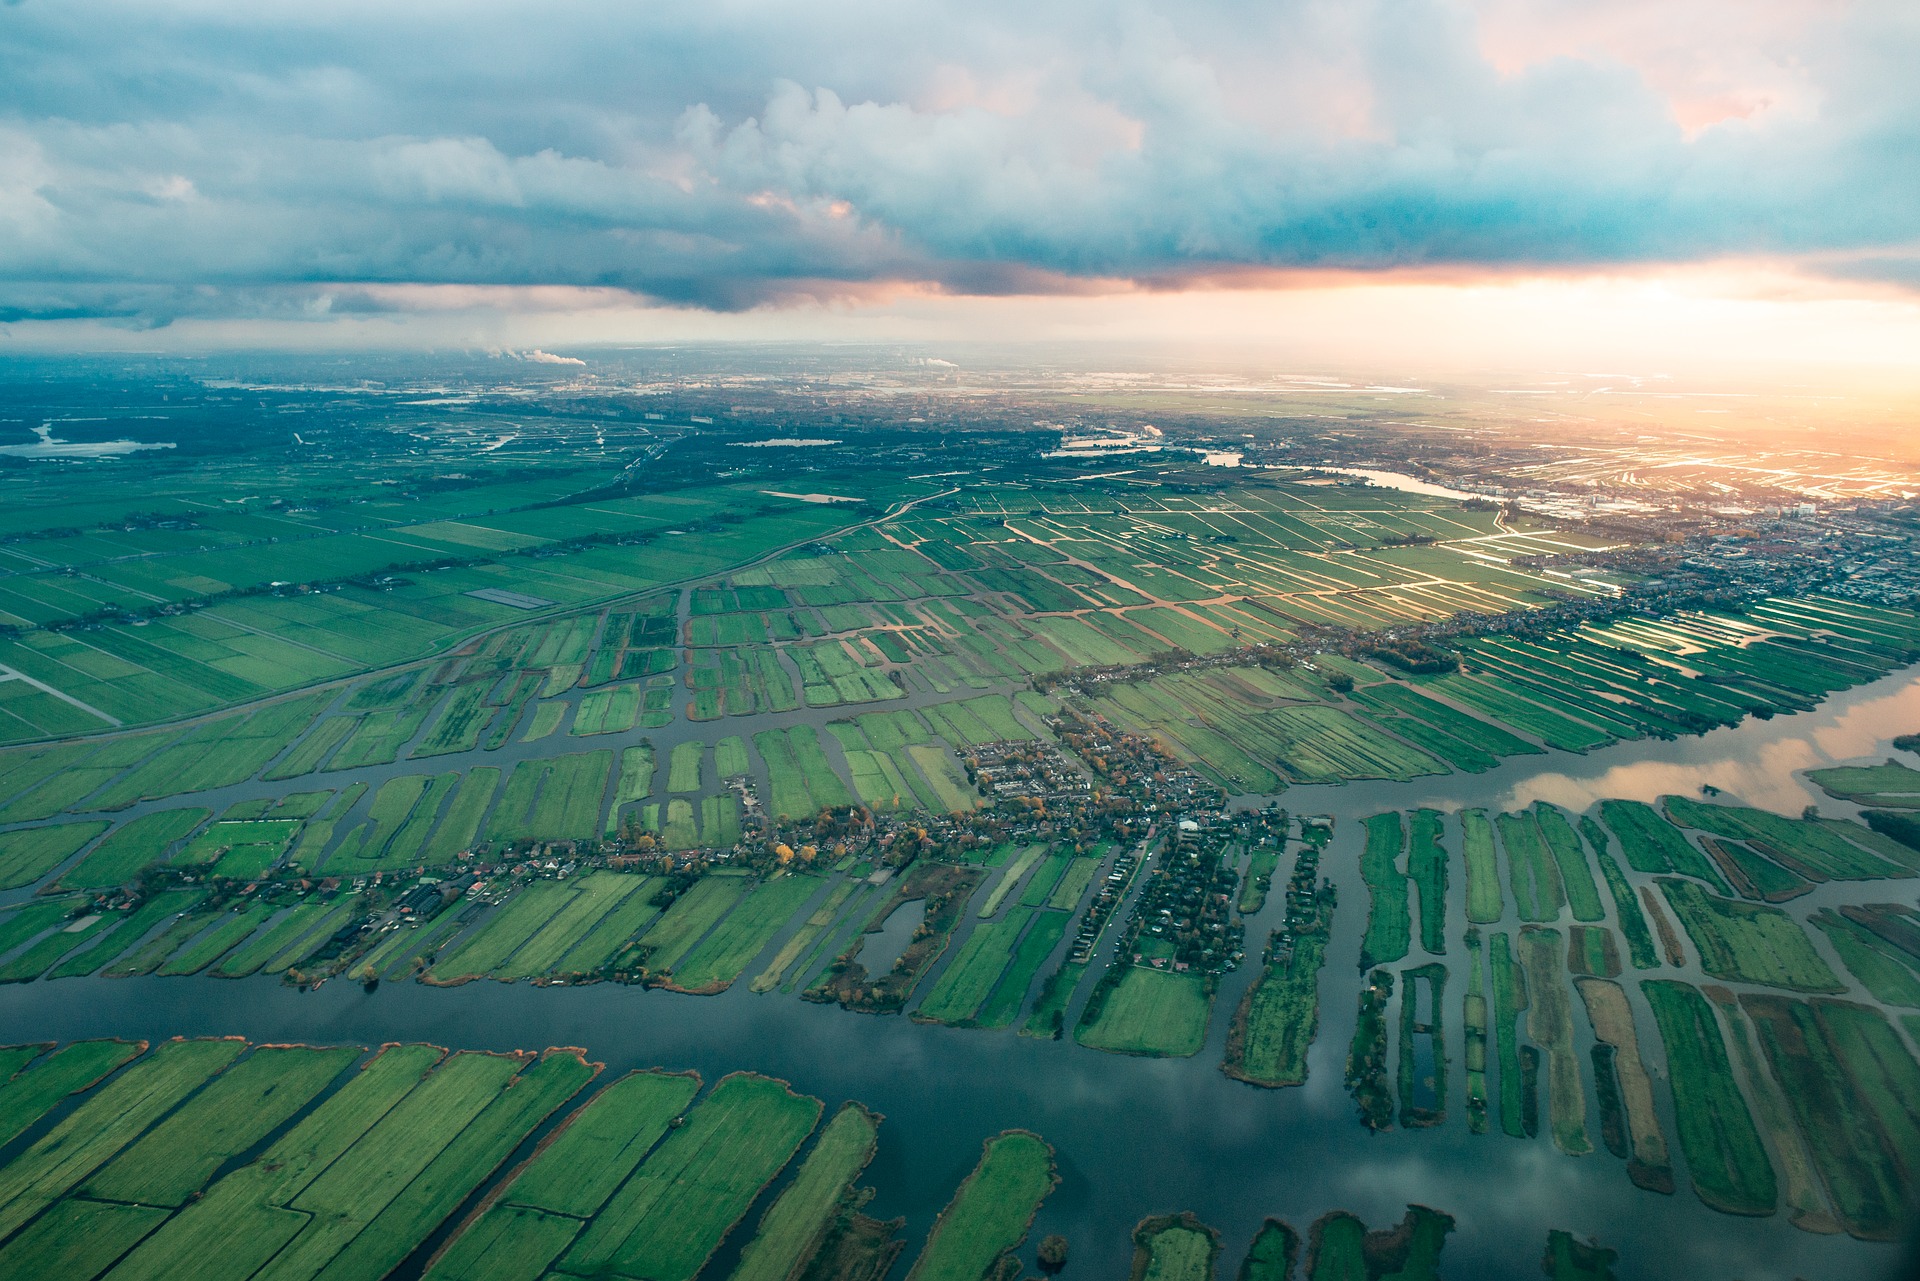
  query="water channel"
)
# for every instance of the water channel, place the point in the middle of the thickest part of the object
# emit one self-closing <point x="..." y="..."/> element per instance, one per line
<point x="1136" y="1137"/>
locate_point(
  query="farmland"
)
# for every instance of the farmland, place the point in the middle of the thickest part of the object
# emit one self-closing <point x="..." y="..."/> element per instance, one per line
<point x="991" y="1211"/>
<point x="994" y="748"/>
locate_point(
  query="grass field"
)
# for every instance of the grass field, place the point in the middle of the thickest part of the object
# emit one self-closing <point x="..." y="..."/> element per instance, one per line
<point x="1474" y="1022"/>
<point x="714" y="964"/>
<point x="1427" y="869"/>
<point x="29" y="853"/>
<point x="1174" y="1248"/>
<point x="1800" y="1184"/>
<point x="1815" y="849"/>
<point x="552" y="800"/>
<point x="593" y="898"/>
<point x="1518" y="1109"/>
<point x="1035" y="948"/>
<point x="1626" y="908"/>
<point x="1649" y="1164"/>
<point x="1389" y="930"/>
<point x="105" y="1123"/>
<point x="1858" y="1161"/>
<point x="1537" y="889"/>
<point x="1725" y="1156"/>
<point x="1016" y="868"/>
<point x="487" y="947"/>
<point x="1576" y="876"/>
<point x="1279" y="1016"/>
<point x="392" y="1233"/>
<point x="1486" y="900"/>
<point x="1341" y="1246"/>
<point x="666" y="1220"/>
<point x="140" y="843"/>
<point x="963" y="987"/>
<point x="1748" y="942"/>
<point x="992" y="1210"/>
<point x="27" y="1094"/>
<point x="695" y="912"/>
<point x="683" y="771"/>
<point x="599" y="1146"/>
<point x="793" y="1226"/>
<point x="237" y="1109"/>
<point x="1653" y="845"/>
<point x="1271" y="1257"/>
<point x="803" y="781"/>
<point x="1550" y="1026"/>
<point x="1149" y="1012"/>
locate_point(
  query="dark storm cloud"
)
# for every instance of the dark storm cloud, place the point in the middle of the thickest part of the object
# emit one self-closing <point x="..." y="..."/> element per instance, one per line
<point x="203" y="159"/>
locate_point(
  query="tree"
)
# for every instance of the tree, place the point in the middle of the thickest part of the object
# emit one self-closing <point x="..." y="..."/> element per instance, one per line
<point x="1053" y="1254"/>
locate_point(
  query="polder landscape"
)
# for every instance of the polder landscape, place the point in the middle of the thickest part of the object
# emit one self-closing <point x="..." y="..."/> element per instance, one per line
<point x="464" y="820"/>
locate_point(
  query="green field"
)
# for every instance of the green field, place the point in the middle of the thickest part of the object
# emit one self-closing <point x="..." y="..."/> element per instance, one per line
<point x="1725" y="1156"/>
<point x="1652" y="845"/>
<point x="240" y="1107"/>
<point x="138" y="844"/>
<point x="1486" y="900"/>
<point x="967" y="981"/>
<point x="793" y="1226"/>
<point x="1389" y="930"/>
<point x="715" y="963"/>
<point x="1518" y="1104"/>
<point x="1748" y="942"/>
<point x="1342" y="1248"/>
<point x="29" y="853"/>
<point x="1537" y="888"/>
<point x="104" y="1124"/>
<point x="990" y="1213"/>
<point x="1427" y="869"/>
<point x="1550" y="1026"/>
<point x="1279" y="1016"/>
<point x="686" y="922"/>
<point x="1626" y="908"/>
<point x="673" y="1213"/>
<point x="1148" y="1012"/>
<point x="1174" y="1248"/>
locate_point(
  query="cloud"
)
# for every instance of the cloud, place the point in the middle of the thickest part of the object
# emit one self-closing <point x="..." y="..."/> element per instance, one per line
<point x="161" y="162"/>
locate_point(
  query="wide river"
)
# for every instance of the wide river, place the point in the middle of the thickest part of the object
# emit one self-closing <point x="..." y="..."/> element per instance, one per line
<point x="1138" y="1137"/>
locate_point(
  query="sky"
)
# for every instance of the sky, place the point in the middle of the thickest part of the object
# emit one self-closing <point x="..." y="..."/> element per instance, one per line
<point x="1449" y="181"/>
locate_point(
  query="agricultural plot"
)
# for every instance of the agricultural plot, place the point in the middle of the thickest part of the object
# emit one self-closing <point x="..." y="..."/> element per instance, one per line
<point x="1748" y="942"/>
<point x="1550" y="1026"/>
<point x="992" y="1210"/>
<point x="689" y="919"/>
<point x="1728" y="1162"/>
<point x="1486" y="899"/>
<point x="1279" y="1016"/>
<point x="1155" y="1013"/>
<point x="1816" y="849"/>
<point x="1538" y="890"/>
<point x="987" y="981"/>
<point x="359" y="1180"/>
<point x="794" y="1226"/>
<point x="1389" y="932"/>
<point x="803" y="780"/>
<point x="137" y="845"/>
<point x="1846" y="1077"/>
<point x="1174" y="1248"/>
<point x="29" y="853"/>
<point x="743" y="934"/>
<point x="557" y="799"/>
<point x="666" y="1220"/>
